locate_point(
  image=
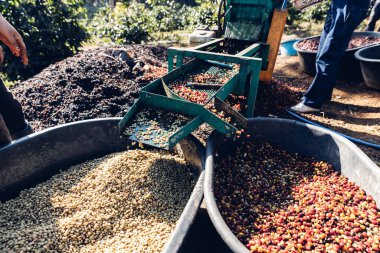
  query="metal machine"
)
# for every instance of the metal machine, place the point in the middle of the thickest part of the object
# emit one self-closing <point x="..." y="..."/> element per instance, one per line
<point x="218" y="82"/>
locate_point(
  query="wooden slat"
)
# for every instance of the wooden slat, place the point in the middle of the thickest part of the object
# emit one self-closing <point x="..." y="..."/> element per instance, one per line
<point x="274" y="39"/>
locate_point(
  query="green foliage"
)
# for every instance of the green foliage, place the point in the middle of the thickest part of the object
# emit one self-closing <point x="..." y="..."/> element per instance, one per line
<point x="160" y="2"/>
<point x="123" y="25"/>
<point x="165" y="18"/>
<point x="316" y="13"/>
<point x="136" y="22"/>
<point x="50" y="30"/>
<point x="171" y="2"/>
<point x="293" y="15"/>
<point x="205" y="14"/>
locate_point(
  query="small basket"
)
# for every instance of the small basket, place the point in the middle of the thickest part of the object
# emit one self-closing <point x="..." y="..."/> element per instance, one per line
<point x="302" y="4"/>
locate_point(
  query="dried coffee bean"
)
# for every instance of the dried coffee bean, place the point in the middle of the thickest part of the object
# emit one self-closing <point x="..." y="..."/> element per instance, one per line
<point x="123" y="202"/>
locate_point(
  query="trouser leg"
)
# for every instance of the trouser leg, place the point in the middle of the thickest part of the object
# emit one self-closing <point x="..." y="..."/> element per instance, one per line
<point x="346" y="15"/>
<point x="329" y="23"/>
<point x="374" y="17"/>
<point x="11" y="111"/>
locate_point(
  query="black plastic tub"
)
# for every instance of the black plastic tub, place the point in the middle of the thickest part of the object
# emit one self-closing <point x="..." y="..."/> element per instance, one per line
<point x="349" y="68"/>
<point x="295" y="137"/>
<point x="369" y="59"/>
<point x="35" y="158"/>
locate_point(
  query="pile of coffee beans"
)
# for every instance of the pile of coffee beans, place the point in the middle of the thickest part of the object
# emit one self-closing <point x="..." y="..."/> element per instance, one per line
<point x="357" y="41"/>
<point x="276" y="201"/>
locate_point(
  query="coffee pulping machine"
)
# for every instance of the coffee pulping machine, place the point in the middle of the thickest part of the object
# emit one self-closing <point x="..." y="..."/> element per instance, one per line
<point x="214" y="83"/>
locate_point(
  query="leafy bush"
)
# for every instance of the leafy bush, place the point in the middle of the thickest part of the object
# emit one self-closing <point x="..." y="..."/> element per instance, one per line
<point x="135" y="22"/>
<point x="169" y="2"/>
<point x="316" y="13"/>
<point x="50" y="30"/>
<point x="294" y="15"/>
<point x="166" y="19"/>
<point x="205" y="14"/>
<point x="124" y="24"/>
<point x="173" y="16"/>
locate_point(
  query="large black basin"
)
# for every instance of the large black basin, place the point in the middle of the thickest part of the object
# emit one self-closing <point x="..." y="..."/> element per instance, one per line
<point x="295" y="137"/>
<point x="35" y="158"/>
<point x="369" y="59"/>
<point x="349" y="69"/>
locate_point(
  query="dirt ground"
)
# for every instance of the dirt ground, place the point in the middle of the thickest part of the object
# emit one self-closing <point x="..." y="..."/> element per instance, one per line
<point x="354" y="109"/>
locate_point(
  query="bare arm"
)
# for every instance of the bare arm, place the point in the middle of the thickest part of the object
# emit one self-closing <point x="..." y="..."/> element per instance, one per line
<point x="13" y="40"/>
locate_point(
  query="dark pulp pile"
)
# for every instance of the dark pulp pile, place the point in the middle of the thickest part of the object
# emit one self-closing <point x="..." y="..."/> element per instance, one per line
<point x="357" y="41"/>
<point x="275" y="201"/>
<point x="98" y="83"/>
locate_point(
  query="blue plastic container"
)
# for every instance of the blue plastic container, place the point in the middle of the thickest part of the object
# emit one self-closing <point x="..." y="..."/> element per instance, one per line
<point x="287" y="48"/>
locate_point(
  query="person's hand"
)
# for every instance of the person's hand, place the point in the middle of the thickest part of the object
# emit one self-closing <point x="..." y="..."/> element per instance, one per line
<point x="13" y="40"/>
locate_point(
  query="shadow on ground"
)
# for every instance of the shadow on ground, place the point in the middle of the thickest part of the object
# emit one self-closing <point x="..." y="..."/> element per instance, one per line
<point x="354" y="109"/>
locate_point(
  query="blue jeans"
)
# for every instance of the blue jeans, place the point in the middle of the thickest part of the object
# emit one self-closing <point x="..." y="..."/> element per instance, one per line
<point x="341" y="21"/>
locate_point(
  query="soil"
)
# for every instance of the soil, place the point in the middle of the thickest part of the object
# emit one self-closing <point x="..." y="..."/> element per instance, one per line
<point x="354" y="109"/>
<point x="358" y="41"/>
<point x="97" y="83"/>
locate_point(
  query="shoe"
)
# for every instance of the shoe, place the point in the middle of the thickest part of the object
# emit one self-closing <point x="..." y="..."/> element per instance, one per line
<point x="22" y="133"/>
<point x="302" y="108"/>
